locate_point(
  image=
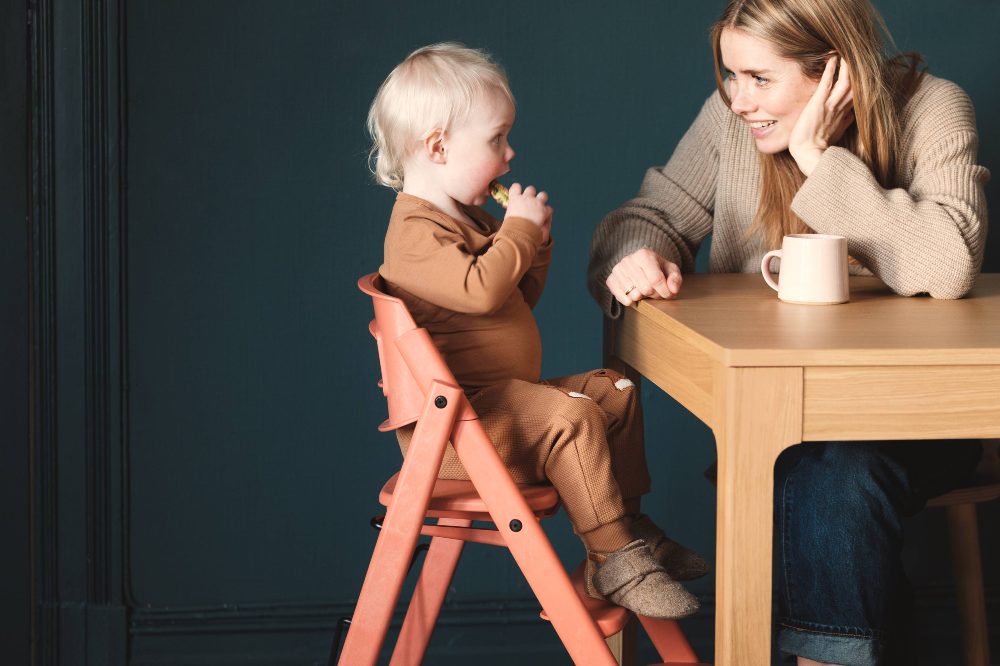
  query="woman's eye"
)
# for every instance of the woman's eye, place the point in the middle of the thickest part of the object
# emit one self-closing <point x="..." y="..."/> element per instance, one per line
<point x="729" y="76"/>
<point x="761" y="81"/>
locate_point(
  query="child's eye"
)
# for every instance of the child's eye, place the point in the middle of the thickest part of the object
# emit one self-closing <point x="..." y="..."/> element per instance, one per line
<point x="496" y="139"/>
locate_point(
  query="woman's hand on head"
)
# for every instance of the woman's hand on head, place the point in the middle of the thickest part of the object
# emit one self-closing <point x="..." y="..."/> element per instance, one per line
<point x="532" y="206"/>
<point x="644" y="274"/>
<point x="824" y="118"/>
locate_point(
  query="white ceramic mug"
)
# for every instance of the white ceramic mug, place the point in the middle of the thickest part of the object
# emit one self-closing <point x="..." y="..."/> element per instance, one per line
<point x="813" y="269"/>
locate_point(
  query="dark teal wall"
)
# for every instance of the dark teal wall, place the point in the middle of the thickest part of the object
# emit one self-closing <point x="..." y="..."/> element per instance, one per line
<point x="242" y="397"/>
<point x="15" y="554"/>
<point x="251" y="213"/>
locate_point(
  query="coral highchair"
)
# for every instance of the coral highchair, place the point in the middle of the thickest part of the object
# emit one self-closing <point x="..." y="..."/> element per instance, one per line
<point x="419" y="388"/>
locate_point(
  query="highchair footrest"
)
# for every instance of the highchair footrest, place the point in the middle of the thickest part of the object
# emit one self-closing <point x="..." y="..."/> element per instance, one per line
<point x="610" y="618"/>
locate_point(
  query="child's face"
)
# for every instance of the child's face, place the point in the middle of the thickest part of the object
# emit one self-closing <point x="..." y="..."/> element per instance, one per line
<point x="477" y="152"/>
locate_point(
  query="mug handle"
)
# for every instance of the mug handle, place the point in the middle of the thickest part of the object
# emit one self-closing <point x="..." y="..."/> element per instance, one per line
<point x="765" y="268"/>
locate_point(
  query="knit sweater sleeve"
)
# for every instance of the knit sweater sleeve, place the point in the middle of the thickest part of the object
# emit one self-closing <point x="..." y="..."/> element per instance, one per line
<point x="673" y="211"/>
<point x="927" y="237"/>
<point x="432" y="261"/>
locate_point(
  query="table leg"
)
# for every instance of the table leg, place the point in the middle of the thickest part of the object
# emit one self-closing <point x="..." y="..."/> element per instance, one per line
<point x="622" y="644"/>
<point x="611" y="359"/>
<point x="757" y="414"/>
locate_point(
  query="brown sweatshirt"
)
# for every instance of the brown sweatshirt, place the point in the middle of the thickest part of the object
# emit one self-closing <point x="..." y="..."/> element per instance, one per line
<point x="471" y="287"/>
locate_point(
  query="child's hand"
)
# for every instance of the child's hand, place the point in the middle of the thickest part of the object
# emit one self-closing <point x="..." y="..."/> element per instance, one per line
<point x="530" y="205"/>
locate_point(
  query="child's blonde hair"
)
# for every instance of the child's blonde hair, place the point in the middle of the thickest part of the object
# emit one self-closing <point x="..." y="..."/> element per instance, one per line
<point x="433" y="89"/>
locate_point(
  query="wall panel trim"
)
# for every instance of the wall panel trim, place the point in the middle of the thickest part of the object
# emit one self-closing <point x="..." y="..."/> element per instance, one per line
<point x="42" y="324"/>
<point x="79" y="611"/>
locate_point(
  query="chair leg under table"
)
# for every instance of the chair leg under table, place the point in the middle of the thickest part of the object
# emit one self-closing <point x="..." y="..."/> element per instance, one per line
<point x="968" y="569"/>
<point x="428" y="597"/>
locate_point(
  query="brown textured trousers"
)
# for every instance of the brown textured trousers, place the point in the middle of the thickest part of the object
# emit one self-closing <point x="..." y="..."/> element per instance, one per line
<point x="582" y="433"/>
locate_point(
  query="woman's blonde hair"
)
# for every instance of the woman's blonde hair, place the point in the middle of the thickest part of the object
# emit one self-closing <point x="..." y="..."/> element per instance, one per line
<point x="809" y="32"/>
<point x="433" y="89"/>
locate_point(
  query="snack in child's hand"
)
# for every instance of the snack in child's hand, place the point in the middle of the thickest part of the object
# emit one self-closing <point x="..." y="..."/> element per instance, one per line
<point x="499" y="193"/>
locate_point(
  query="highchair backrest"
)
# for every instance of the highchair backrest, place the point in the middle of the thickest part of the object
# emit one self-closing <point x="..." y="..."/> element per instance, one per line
<point x="408" y="358"/>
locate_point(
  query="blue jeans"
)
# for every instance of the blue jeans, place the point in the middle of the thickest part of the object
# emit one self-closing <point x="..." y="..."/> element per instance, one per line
<point x="843" y="597"/>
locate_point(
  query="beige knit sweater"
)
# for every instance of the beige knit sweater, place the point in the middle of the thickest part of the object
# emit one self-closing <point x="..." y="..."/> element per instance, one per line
<point x="927" y="235"/>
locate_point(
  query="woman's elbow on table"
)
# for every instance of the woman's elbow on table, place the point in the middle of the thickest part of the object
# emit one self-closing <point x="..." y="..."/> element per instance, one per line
<point x="943" y="280"/>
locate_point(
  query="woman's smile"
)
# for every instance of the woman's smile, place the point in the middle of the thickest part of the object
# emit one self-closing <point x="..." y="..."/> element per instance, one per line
<point x="761" y="128"/>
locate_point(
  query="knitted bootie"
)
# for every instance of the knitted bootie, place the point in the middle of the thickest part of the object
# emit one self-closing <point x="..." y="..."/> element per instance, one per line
<point x="630" y="577"/>
<point x="680" y="562"/>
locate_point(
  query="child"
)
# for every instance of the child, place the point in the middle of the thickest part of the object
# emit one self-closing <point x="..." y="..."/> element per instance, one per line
<point x="439" y="126"/>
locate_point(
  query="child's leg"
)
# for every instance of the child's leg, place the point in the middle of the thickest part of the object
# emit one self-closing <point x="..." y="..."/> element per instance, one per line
<point x="543" y="433"/>
<point x="560" y="435"/>
<point x="619" y="400"/>
<point x="623" y="437"/>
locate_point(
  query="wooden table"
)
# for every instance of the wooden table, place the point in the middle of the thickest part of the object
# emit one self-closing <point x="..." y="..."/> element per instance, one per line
<point x="765" y="375"/>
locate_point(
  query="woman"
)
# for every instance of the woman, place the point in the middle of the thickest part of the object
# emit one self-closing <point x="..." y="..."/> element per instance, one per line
<point x="815" y="128"/>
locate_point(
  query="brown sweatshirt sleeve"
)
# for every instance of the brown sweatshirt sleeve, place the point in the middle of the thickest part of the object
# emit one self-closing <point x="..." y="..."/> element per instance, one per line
<point x="430" y="258"/>
<point x="673" y="211"/>
<point x="533" y="282"/>
<point x="928" y="237"/>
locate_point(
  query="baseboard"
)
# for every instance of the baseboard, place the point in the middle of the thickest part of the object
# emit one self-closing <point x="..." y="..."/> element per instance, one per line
<point x="486" y="631"/>
<point x="302" y="634"/>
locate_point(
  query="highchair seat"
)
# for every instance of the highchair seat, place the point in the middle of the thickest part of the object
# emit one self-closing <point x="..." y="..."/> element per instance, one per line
<point x="457" y="499"/>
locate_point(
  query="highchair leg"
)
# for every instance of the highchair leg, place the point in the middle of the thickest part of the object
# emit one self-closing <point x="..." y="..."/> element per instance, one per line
<point x="670" y="642"/>
<point x="530" y="547"/>
<point x="428" y="596"/>
<point x="396" y="541"/>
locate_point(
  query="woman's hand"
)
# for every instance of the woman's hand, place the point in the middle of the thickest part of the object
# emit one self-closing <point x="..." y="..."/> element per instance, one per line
<point x="825" y="117"/>
<point x="644" y="274"/>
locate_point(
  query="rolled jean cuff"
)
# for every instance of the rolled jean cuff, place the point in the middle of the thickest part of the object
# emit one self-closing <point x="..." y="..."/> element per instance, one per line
<point x="830" y="645"/>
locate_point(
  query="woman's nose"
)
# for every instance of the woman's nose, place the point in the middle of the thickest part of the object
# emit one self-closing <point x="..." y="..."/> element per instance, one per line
<point x="740" y="101"/>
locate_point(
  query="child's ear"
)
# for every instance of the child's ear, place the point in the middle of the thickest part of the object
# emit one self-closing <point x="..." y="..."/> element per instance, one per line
<point x="434" y="146"/>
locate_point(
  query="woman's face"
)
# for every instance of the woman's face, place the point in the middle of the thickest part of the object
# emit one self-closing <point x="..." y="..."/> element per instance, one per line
<point x="766" y="90"/>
